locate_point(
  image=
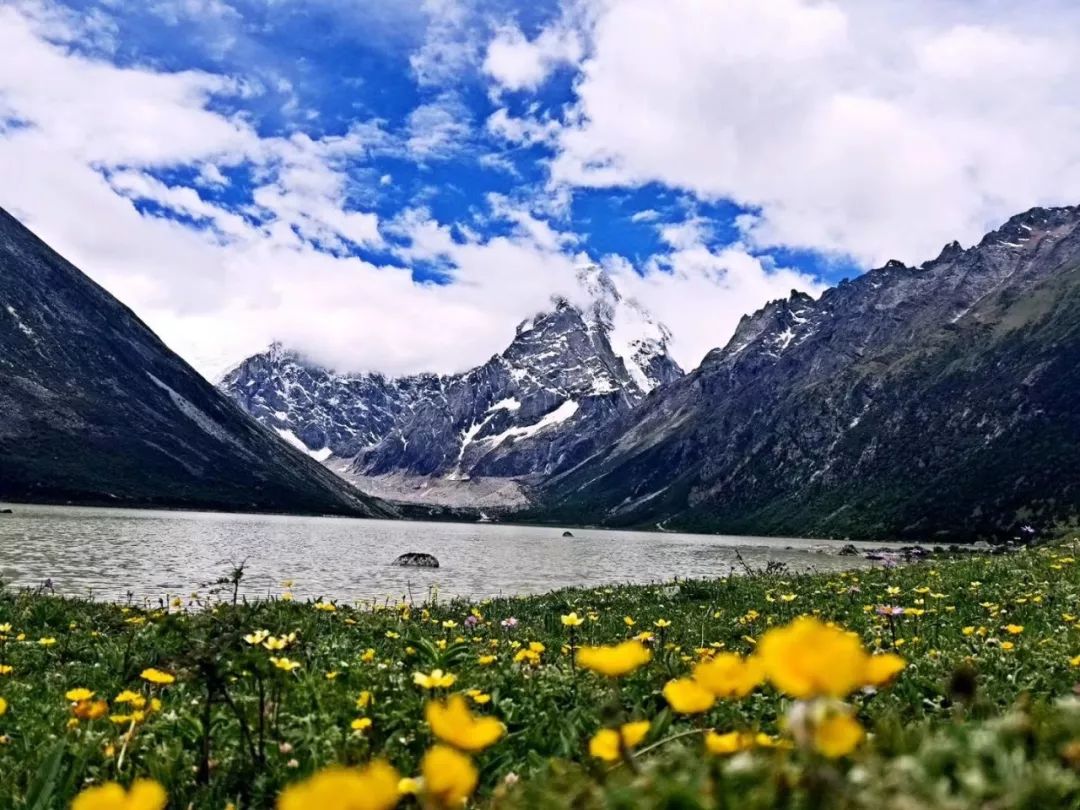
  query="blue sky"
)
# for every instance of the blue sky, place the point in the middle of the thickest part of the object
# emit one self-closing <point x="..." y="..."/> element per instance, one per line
<point x="392" y="185"/>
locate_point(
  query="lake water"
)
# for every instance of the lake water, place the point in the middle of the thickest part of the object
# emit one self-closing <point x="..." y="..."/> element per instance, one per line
<point x="110" y="552"/>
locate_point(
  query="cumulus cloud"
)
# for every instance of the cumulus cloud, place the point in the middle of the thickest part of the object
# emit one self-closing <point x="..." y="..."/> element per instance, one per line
<point x="872" y="128"/>
<point x="517" y="63"/>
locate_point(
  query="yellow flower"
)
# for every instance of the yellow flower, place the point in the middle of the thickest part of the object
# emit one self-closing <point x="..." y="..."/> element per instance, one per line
<point x="837" y="735"/>
<point x="326" y="607"/>
<point x="787" y="597"/>
<point x="6" y="669"/>
<point x="485" y="660"/>
<point x="572" y="620"/>
<point x="3" y="706"/>
<point x="75" y="695"/>
<point x="134" y="698"/>
<point x="1007" y="645"/>
<point x="1075" y="661"/>
<point x="728" y="675"/>
<point x="882" y="668"/>
<point x="285" y="664"/>
<point x="436" y="680"/>
<point x="360" y="724"/>
<point x="478" y="697"/>
<point x="1014" y="629"/>
<point x="363" y="700"/>
<point x="48" y="641"/>
<point x="257" y="637"/>
<point x="157" y="676"/>
<point x="373" y="787"/>
<point x="449" y="776"/>
<point x="628" y="621"/>
<point x="330" y="676"/>
<point x="968" y="631"/>
<point x="90" y="709"/>
<point x="368" y="655"/>
<point x="452" y="722"/>
<point x="808" y="658"/>
<point x="608" y="743"/>
<point x="730" y="743"/>
<point x="662" y="623"/>
<point x="144" y="794"/>
<point x="408" y="786"/>
<point x="622" y="659"/>
<point x="687" y="696"/>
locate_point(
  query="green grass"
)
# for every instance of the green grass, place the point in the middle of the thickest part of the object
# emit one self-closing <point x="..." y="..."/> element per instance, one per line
<point x="967" y="724"/>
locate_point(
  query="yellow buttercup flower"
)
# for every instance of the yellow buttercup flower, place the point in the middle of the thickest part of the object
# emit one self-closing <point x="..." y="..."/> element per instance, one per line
<point x="373" y="787"/>
<point x="157" y="676"/>
<point x="728" y="675"/>
<point x="616" y="661"/>
<point x="662" y="623"/>
<point x="436" y="680"/>
<point x="6" y="669"/>
<point x="1014" y="629"/>
<point x="286" y="664"/>
<point x="144" y="794"/>
<point x="3" y="706"/>
<point x="449" y="776"/>
<point x="882" y="668"/>
<point x="687" y="696"/>
<point x="485" y="660"/>
<point x="572" y="620"/>
<point x="809" y="658"/>
<point x="75" y="695"/>
<point x="452" y="722"/>
<point x="326" y="607"/>
<point x="608" y="743"/>
<point x="134" y="698"/>
<point x="361" y="724"/>
<point x="837" y="735"/>
<point x="363" y="700"/>
<point x="730" y="743"/>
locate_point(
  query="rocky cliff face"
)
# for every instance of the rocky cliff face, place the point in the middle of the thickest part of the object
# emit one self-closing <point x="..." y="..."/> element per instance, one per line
<point x="937" y="400"/>
<point x="94" y="408"/>
<point x="536" y="408"/>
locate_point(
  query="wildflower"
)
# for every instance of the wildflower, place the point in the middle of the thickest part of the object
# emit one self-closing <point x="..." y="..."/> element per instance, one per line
<point x="48" y="641"/>
<point x="572" y="620"/>
<point x="728" y="675"/>
<point x="662" y="623"/>
<point x="808" y="658"/>
<point x="687" y="696"/>
<point x="408" y="786"/>
<point x="157" y="676"/>
<point x="134" y="698"/>
<point x="258" y="637"/>
<point x="90" y="709"/>
<point x="449" y="776"/>
<point x="882" y="668"/>
<point x="608" y="743"/>
<point x="478" y="697"/>
<point x="968" y="631"/>
<point x="616" y="661"/>
<point x="1007" y="645"/>
<point x="485" y="660"/>
<point x="325" y="607"/>
<point x="6" y="669"/>
<point x="436" y="680"/>
<point x="3" y="707"/>
<point x="285" y="664"/>
<point x="509" y="624"/>
<point x="360" y="724"/>
<point x="730" y="743"/>
<point x="452" y="722"/>
<point x="144" y="794"/>
<point x="788" y="597"/>
<point x="1014" y="629"/>
<point x="837" y="735"/>
<point x="76" y="695"/>
<point x="368" y="655"/>
<point x="629" y="621"/>
<point x="363" y="700"/>
<point x="373" y="787"/>
<point x="1075" y="661"/>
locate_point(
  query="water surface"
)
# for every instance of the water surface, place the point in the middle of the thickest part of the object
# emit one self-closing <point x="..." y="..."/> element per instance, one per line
<point x="110" y="552"/>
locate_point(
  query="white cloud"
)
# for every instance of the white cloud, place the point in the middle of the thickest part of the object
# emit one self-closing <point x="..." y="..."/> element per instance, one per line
<point x="438" y="128"/>
<point x="517" y="63"/>
<point x="869" y="127"/>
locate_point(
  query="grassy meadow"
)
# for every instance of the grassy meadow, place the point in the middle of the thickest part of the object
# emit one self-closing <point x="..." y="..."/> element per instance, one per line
<point x="944" y="684"/>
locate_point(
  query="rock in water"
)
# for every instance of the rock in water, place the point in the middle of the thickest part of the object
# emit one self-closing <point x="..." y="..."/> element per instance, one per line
<point x="567" y="534"/>
<point x="416" y="559"/>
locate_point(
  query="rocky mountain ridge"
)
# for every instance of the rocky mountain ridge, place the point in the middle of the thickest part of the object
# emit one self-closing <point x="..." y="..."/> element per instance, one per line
<point x="869" y="411"/>
<point x="95" y="409"/>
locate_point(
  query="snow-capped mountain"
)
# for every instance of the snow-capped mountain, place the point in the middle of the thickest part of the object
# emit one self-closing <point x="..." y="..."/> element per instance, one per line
<point x="535" y="408"/>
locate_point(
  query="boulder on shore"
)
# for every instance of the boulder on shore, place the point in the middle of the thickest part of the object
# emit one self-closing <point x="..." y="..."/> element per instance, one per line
<point x="567" y="534"/>
<point x="417" y="559"/>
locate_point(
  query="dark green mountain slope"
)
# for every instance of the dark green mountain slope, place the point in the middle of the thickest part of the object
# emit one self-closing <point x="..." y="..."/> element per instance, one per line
<point x="94" y="408"/>
<point x="934" y="402"/>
